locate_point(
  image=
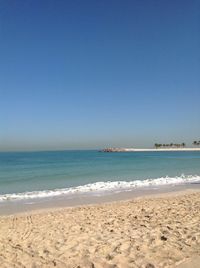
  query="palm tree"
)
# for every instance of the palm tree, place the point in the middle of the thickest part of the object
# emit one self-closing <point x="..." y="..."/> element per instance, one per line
<point x="195" y="143"/>
<point x="183" y="144"/>
<point x="156" y="145"/>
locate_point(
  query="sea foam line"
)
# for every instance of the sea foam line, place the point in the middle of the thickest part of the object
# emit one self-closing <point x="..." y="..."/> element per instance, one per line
<point x="101" y="187"/>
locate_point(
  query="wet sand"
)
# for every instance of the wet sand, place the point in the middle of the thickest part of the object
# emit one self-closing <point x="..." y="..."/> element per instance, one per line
<point x="153" y="231"/>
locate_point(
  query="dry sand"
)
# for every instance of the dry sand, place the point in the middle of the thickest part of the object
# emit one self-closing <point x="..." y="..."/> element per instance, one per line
<point x="162" y="149"/>
<point x="184" y="149"/>
<point x="162" y="231"/>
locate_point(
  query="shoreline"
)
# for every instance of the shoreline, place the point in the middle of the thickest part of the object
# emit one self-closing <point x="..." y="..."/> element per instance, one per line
<point x="21" y="207"/>
<point x="149" y="150"/>
<point x="112" y="199"/>
<point x="160" y="230"/>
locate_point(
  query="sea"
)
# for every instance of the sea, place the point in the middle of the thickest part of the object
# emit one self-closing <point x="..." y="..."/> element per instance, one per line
<point x="31" y="177"/>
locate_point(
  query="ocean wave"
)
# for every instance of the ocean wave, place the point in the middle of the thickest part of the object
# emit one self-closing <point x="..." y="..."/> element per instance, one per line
<point x="102" y="187"/>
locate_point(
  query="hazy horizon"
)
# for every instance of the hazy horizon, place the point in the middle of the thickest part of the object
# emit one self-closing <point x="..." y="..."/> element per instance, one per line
<point x="94" y="74"/>
<point x="42" y="147"/>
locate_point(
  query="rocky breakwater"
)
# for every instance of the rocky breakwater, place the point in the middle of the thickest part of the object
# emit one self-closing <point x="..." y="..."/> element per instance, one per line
<point x="112" y="150"/>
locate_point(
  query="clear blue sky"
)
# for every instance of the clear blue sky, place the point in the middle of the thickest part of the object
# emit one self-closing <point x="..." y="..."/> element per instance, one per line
<point x="91" y="74"/>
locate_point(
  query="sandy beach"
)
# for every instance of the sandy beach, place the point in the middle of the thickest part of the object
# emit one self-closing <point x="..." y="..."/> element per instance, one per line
<point x="154" y="231"/>
<point x="162" y="150"/>
<point x="184" y="149"/>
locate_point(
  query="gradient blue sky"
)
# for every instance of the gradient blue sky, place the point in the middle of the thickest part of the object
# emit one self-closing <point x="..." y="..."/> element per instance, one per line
<point x="91" y="74"/>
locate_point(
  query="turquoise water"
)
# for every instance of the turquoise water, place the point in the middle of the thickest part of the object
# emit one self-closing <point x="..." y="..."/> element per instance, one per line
<point x="42" y="171"/>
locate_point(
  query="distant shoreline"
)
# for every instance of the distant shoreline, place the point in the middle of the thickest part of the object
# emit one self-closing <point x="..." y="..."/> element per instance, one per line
<point x="148" y="150"/>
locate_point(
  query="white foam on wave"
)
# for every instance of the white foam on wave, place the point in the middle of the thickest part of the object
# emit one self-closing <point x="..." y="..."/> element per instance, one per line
<point x="102" y="187"/>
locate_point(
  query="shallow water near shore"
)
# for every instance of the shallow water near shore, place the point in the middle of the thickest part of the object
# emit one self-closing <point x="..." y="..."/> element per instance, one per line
<point x="81" y="199"/>
<point x="31" y="179"/>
